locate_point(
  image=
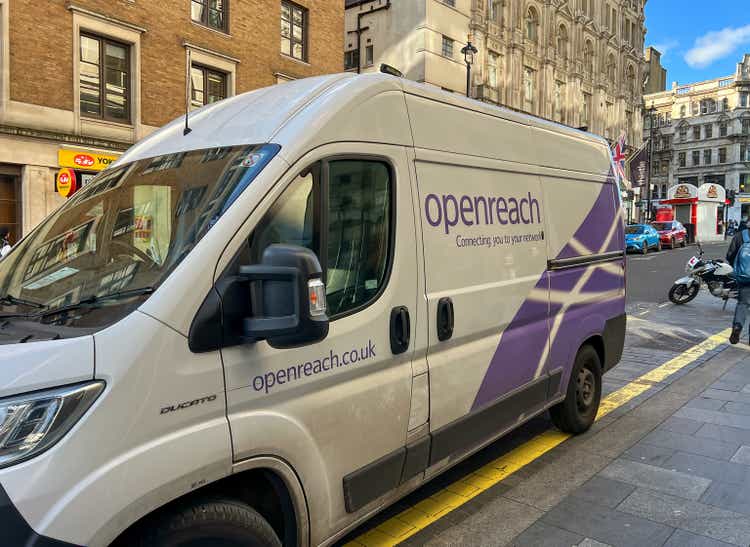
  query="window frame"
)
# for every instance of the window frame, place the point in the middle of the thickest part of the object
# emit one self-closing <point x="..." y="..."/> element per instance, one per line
<point x="445" y="41"/>
<point x="204" y="21"/>
<point x="205" y="70"/>
<point x="305" y="30"/>
<point x="321" y="214"/>
<point x="103" y="41"/>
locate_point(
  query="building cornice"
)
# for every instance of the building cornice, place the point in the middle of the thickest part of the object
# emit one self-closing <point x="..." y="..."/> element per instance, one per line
<point x="66" y="138"/>
<point x="78" y="9"/>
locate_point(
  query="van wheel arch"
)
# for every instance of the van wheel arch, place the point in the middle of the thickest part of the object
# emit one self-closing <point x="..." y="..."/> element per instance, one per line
<point x="264" y="489"/>
<point x="596" y="342"/>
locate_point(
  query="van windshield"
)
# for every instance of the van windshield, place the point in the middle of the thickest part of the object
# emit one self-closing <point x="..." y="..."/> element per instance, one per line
<point x="121" y="235"/>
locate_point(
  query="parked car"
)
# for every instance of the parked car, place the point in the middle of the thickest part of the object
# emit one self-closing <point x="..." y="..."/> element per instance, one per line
<point x="671" y="233"/>
<point x="167" y="369"/>
<point x="642" y="237"/>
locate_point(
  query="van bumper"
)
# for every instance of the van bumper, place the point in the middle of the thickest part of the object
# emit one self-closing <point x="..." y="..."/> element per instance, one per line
<point x="16" y="531"/>
<point x="614" y="340"/>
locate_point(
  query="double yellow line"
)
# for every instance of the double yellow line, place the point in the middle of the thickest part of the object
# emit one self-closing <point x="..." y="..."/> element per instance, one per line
<point x="420" y="516"/>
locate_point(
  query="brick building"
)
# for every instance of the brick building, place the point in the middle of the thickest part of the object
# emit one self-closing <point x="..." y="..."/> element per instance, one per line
<point x="81" y="80"/>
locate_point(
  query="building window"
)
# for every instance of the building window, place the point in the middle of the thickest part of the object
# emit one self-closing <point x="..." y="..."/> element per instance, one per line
<point x="707" y="157"/>
<point x="696" y="157"/>
<point x="105" y="79"/>
<point x="632" y="87"/>
<point x="743" y="100"/>
<point x="492" y="70"/>
<point x="528" y="90"/>
<point x="562" y="42"/>
<point x="351" y="59"/>
<point x="293" y="31"/>
<point x="451" y="3"/>
<point x="557" y="100"/>
<point x="369" y="56"/>
<point x="663" y="191"/>
<point x="697" y="133"/>
<point x="683" y="134"/>
<point x="447" y="47"/>
<point x="709" y="131"/>
<point x="696" y="108"/>
<point x="588" y="58"/>
<point x="208" y="86"/>
<point x="586" y="109"/>
<point x="683" y="111"/>
<point x="682" y="159"/>
<point x="746" y="126"/>
<point x="744" y="155"/>
<point x="725" y="104"/>
<point x="722" y="155"/>
<point x="723" y="129"/>
<point x="494" y="8"/>
<point x="611" y="68"/>
<point x="211" y="13"/>
<point x="532" y="23"/>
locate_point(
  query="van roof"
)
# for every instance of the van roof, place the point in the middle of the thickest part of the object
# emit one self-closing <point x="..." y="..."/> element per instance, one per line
<point x="258" y="116"/>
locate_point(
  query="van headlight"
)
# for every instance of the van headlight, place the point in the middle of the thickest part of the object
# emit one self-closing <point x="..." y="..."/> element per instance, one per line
<point x="33" y="422"/>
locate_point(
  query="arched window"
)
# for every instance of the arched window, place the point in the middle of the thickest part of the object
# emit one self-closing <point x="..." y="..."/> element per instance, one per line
<point x="562" y="42"/>
<point x="588" y="57"/>
<point x="631" y="80"/>
<point x="611" y="69"/>
<point x="532" y="24"/>
<point x="683" y="111"/>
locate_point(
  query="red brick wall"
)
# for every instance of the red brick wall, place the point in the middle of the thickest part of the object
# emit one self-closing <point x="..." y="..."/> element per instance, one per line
<point x="41" y="47"/>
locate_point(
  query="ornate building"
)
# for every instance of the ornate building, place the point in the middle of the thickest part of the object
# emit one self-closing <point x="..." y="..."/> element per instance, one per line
<point x="578" y="62"/>
<point x="702" y="135"/>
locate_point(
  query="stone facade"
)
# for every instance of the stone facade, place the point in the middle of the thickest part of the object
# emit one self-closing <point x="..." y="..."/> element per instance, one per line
<point x="578" y="62"/>
<point x="702" y="135"/>
<point x="656" y="75"/>
<point x="41" y="75"/>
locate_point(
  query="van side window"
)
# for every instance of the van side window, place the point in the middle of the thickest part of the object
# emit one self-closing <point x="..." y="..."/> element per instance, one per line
<point x="355" y="251"/>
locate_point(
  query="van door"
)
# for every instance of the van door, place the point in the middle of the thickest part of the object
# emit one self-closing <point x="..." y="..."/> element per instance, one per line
<point x="485" y="262"/>
<point x="336" y="410"/>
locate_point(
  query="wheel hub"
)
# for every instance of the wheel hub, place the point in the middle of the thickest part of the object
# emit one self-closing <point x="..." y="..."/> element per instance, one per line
<point x="585" y="388"/>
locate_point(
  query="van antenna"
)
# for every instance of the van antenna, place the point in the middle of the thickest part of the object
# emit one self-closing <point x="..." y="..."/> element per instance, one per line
<point x="188" y="92"/>
<point x="388" y="69"/>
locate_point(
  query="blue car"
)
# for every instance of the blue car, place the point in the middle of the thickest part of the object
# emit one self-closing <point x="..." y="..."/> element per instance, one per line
<point x="641" y="237"/>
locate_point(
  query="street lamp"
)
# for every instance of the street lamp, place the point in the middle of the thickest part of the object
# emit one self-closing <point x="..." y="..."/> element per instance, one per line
<point x="469" y="51"/>
<point x="651" y="118"/>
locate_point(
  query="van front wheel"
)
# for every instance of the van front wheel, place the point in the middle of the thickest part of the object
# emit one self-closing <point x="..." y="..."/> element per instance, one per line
<point x="577" y="412"/>
<point x="214" y="522"/>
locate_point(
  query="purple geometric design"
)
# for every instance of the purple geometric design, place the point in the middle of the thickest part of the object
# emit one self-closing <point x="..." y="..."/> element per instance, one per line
<point x="523" y="342"/>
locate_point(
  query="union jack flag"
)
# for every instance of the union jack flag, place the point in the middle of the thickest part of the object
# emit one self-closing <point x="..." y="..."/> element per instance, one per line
<point x="619" y="157"/>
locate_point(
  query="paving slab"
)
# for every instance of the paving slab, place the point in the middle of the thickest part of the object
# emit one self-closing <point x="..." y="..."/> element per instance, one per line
<point x="540" y="534"/>
<point x="657" y="478"/>
<point x="742" y="456"/>
<point x="724" y="433"/>
<point x="706" y="403"/>
<point x="733" y="407"/>
<point x="603" y="491"/>
<point x="694" y="445"/>
<point x="709" y="468"/>
<point x="648" y="453"/>
<point x="606" y="525"/>
<point x="723" y="395"/>
<point x="714" y="417"/>
<point x="681" y="538"/>
<point x="734" y="497"/>
<point x="699" y="518"/>
<point x="681" y="425"/>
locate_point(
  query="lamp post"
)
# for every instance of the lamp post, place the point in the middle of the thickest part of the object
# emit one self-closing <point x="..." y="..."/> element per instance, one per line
<point x="651" y="117"/>
<point x="469" y="51"/>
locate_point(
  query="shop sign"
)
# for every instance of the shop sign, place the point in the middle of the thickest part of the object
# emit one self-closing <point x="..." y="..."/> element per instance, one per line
<point x="86" y="161"/>
<point x="682" y="192"/>
<point x="66" y="182"/>
<point x="711" y="192"/>
<point x="744" y="199"/>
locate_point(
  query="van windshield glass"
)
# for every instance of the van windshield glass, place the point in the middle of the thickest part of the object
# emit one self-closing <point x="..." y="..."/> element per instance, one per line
<point x="121" y="235"/>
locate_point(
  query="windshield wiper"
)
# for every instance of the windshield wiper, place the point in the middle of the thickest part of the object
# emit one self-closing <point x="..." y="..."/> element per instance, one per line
<point x="94" y="299"/>
<point x="13" y="301"/>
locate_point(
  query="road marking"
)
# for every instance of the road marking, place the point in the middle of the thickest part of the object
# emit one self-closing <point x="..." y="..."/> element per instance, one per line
<point x="663" y="304"/>
<point x="407" y="523"/>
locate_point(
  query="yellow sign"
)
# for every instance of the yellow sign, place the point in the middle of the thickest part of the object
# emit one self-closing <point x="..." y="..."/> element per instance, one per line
<point x="86" y="161"/>
<point x="745" y="199"/>
<point x="66" y="182"/>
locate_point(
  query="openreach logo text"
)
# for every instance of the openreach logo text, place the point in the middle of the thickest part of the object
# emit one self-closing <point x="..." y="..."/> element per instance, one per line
<point x="448" y="210"/>
<point x="323" y="363"/>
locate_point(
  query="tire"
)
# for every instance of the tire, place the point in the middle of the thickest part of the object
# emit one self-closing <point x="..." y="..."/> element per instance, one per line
<point x="210" y="522"/>
<point x="671" y="243"/>
<point x="658" y="246"/>
<point x="684" y="242"/>
<point x="644" y="248"/>
<point x="679" y="294"/>
<point x="578" y="411"/>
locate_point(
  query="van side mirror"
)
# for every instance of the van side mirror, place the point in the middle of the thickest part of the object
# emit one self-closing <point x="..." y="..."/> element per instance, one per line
<point x="290" y="298"/>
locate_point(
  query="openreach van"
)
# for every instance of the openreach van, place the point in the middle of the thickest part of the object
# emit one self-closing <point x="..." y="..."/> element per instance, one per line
<point x="266" y="329"/>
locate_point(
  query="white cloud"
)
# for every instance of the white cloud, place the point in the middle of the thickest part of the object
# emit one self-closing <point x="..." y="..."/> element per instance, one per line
<point x="665" y="47"/>
<point x="716" y="45"/>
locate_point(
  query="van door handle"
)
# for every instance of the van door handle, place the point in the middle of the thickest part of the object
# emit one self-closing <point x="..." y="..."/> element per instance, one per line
<point x="400" y="329"/>
<point x="445" y="319"/>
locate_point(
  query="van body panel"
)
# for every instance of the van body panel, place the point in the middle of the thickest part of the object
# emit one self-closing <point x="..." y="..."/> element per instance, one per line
<point x="331" y="421"/>
<point x="127" y="456"/>
<point x="52" y="363"/>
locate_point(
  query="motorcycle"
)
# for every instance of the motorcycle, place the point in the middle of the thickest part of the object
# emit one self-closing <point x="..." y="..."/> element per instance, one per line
<point x="716" y="274"/>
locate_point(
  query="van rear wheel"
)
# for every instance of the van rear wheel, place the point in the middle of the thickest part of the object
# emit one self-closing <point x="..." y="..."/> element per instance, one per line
<point x="578" y="411"/>
<point x="214" y="522"/>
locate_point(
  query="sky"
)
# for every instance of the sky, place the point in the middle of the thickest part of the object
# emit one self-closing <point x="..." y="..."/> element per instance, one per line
<point x="699" y="39"/>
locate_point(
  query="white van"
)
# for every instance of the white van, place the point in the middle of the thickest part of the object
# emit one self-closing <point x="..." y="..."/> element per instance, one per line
<point x="266" y="329"/>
